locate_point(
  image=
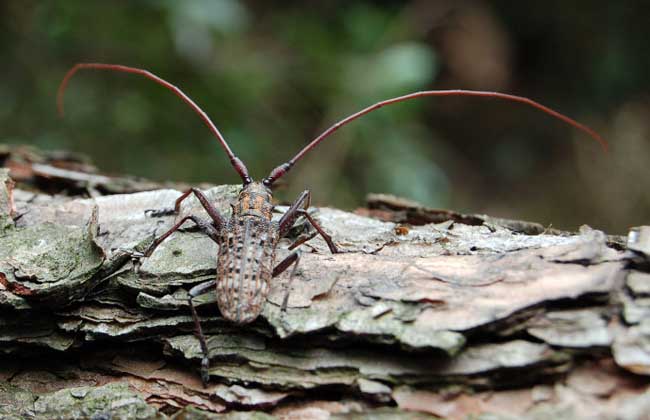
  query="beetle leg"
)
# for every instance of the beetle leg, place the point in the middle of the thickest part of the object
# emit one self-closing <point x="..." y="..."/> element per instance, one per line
<point x="302" y="239"/>
<point x="201" y="289"/>
<point x="205" y="227"/>
<point x="214" y="214"/>
<point x="326" y="237"/>
<point x="293" y="258"/>
<point x="299" y="207"/>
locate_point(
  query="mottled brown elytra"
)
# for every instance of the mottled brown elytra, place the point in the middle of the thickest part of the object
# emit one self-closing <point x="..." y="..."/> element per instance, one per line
<point x="248" y="239"/>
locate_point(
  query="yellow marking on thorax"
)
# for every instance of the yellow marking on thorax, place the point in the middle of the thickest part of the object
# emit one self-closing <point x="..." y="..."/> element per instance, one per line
<point x="259" y="203"/>
<point x="245" y="203"/>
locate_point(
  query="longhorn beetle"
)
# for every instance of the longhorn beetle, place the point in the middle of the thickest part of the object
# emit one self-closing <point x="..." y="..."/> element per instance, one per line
<point x="248" y="239"/>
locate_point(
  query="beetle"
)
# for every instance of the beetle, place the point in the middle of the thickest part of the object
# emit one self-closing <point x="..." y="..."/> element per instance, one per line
<point x="249" y="238"/>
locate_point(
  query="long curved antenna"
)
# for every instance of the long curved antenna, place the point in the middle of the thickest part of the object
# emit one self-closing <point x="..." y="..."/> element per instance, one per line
<point x="279" y="171"/>
<point x="234" y="160"/>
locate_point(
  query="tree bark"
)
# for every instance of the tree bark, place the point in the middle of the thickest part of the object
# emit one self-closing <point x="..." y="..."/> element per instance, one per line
<point x="426" y="313"/>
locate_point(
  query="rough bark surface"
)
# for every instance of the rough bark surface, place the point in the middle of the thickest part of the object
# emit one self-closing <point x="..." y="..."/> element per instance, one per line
<point x="427" y="314"/>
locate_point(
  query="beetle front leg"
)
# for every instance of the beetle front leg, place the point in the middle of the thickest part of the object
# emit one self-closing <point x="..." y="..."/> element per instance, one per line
<point x="214" y="214"/>
<point x="299" y="207"/>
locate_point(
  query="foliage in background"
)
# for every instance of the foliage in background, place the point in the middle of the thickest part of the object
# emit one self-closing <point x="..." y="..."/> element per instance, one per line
<point x="272" y="76"/>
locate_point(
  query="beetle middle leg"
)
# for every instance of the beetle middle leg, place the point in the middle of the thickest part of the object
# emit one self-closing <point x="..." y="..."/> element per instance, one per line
<point x="206" y="227"/>
<point x="299" y="207"/>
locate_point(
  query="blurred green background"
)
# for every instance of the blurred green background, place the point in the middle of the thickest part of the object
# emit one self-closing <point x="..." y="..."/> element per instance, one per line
<point x="273" y="75"/>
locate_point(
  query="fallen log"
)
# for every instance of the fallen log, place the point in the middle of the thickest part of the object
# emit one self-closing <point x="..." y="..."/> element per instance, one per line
<point x="427" y="313"/>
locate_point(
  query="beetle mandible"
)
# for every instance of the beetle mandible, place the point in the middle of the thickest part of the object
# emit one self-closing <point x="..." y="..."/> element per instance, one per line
<point x="249" y="238"/>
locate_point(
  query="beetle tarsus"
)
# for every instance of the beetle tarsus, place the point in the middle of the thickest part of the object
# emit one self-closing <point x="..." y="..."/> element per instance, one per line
<point x="160" y="212"/>
<point x="135" y="256"/>
<point x="205" y="375"/>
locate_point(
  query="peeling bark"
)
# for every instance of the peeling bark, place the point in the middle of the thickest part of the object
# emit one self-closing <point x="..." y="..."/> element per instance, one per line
<point x="427" y="313"/>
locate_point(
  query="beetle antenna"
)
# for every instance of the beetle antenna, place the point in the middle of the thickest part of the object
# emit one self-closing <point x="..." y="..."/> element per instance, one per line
<point x="279" y="171"/>
<point x="237" y="163"/>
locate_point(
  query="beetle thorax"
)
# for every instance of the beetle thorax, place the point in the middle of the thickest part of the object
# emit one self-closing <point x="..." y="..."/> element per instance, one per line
<point x="254" y="200"/>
